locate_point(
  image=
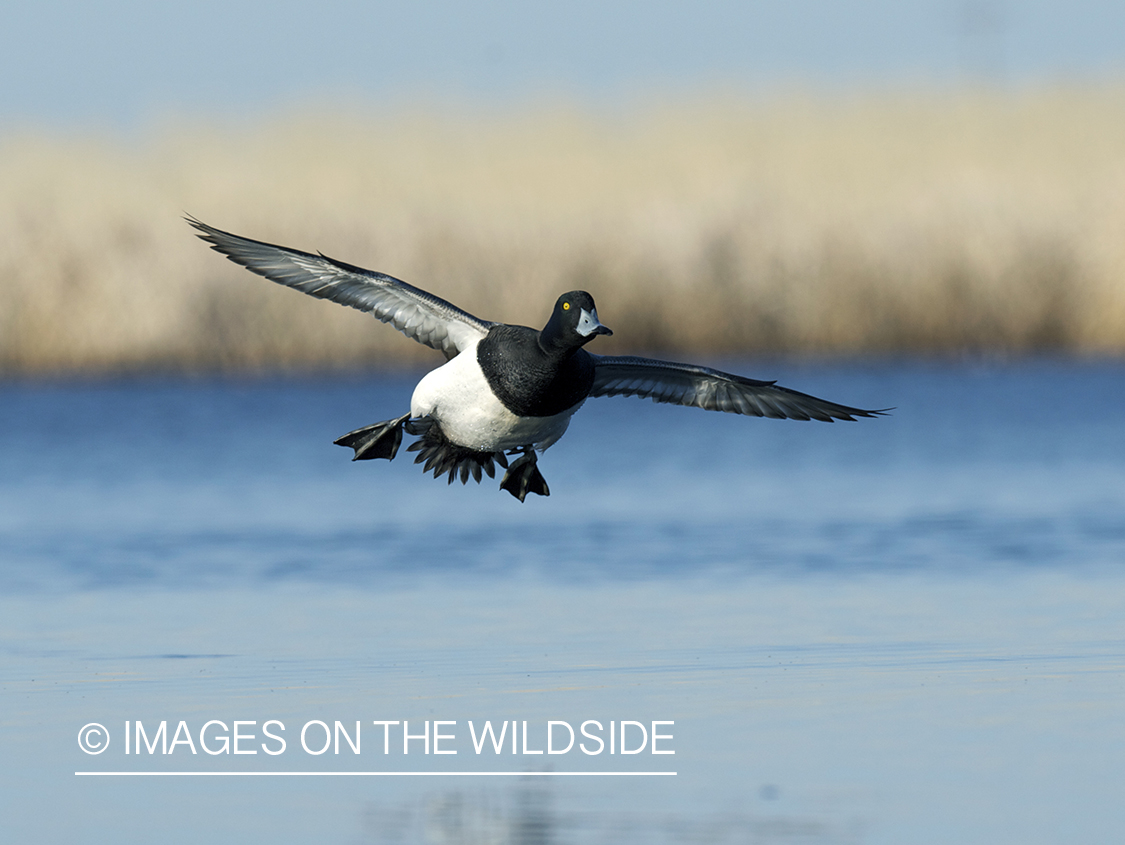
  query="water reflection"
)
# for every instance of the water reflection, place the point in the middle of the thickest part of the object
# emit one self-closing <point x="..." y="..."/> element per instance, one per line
<point x="526" y="814"/>
<point x="519" y="816"/>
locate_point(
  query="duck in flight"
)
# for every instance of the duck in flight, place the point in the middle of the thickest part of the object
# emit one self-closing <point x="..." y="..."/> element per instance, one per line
<point x="504" y="390"/>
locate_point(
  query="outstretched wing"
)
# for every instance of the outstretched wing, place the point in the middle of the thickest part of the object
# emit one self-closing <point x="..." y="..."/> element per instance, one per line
<point x="417" y="314"/>
<point x="712" y="390"/>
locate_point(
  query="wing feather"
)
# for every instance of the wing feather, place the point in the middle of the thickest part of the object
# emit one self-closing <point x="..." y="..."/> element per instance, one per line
<point x="419" y="315"/>
<point x="712" y="390"/>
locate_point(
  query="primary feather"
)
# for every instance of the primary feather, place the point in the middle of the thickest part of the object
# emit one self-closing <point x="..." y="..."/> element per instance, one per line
<point x="419" y="315"/>
<point x="712" y="390"/>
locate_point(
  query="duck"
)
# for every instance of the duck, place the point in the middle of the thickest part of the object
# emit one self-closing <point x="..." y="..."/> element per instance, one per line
<point x="505" y="391"/>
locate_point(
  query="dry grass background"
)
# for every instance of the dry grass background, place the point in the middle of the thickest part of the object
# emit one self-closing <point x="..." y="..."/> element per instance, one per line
<point x="883" y="224"/>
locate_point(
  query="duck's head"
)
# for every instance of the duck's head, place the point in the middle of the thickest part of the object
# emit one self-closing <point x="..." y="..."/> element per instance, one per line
<point x="573" y="323"/>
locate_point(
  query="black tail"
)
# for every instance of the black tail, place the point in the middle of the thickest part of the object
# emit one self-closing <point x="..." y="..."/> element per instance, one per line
<point x="442" y="456"/>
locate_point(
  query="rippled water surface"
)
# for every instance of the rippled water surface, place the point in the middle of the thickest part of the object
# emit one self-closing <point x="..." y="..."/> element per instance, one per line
<point x="909" y="629"/>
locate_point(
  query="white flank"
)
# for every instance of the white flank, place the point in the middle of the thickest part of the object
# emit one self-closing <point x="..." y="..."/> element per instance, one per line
<point x="457" y="395"/>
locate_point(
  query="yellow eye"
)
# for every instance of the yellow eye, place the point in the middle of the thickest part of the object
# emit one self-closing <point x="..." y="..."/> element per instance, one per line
<point x="566" y="306"/>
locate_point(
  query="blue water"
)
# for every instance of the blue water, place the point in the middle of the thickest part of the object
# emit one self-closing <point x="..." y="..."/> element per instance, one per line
<point x="908" y="629"/>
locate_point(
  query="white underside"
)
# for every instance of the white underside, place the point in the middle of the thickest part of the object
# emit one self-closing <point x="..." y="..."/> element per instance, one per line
<point x="457" y="395"/>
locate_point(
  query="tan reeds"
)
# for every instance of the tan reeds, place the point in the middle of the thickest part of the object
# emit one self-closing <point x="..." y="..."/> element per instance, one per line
<point x="892" y="223"/>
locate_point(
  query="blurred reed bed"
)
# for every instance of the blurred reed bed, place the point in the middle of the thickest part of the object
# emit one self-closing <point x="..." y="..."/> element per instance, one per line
<point x="893" y="223"/>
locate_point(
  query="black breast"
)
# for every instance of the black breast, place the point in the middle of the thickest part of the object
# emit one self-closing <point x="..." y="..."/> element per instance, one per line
<point x="526" y="379"/>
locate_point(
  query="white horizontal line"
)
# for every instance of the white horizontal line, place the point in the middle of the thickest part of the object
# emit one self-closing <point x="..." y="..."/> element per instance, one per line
<point x="377" y="774"/>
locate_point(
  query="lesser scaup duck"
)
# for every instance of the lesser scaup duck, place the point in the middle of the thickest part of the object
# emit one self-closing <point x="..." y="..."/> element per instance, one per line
<point x="504" y="390"/>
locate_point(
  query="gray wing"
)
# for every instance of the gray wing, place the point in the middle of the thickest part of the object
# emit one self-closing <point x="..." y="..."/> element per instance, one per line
<point x="712" y="390"/>
<point x="417" y="314"/>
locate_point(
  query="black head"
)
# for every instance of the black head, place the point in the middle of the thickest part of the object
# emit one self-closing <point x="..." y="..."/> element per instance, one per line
<point x="573" y="323"/>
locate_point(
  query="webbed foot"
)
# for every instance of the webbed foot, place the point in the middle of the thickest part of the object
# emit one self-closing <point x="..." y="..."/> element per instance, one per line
<point x="523" y="477"/>
<point x="380" y="440"/>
